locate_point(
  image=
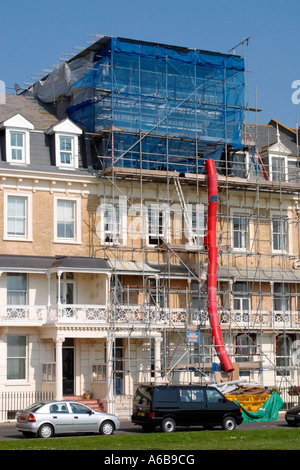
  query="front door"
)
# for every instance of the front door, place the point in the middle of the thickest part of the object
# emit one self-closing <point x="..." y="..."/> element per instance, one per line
<point x="118" y="366"/>
<point x="68" y="369"/>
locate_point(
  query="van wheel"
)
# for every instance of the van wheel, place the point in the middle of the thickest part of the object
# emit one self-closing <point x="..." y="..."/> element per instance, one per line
<point x="168" y="425"/>
<point x="229" y="424"/>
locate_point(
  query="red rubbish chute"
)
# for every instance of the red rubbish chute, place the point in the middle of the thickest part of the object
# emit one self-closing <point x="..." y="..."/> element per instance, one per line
<point x="212" y="182"/>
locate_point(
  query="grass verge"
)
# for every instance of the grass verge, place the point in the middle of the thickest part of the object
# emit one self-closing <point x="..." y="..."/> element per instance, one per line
<point x="272" y="439"/>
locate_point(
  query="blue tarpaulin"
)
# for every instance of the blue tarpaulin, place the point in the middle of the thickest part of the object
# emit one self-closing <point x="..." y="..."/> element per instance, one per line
<point x="191" y="96"/>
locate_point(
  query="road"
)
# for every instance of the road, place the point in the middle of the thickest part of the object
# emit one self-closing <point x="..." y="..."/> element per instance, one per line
<point x="8" y="430"/>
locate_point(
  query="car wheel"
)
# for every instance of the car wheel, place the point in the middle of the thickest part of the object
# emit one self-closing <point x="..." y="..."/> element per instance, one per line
<point x="168" y="425"/>
<point x="229" y="424"/>
<point x="46" y="431"/>
<point x="107" y="428"/>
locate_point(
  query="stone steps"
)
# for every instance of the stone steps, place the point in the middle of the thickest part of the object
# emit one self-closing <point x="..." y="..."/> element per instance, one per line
<point x="93" y="403"/>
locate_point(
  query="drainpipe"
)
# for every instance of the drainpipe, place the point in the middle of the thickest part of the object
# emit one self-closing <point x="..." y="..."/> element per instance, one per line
<point x="212" y="183"/>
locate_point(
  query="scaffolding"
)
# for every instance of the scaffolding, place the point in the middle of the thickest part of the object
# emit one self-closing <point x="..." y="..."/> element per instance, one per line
<point x="153" y="114"/>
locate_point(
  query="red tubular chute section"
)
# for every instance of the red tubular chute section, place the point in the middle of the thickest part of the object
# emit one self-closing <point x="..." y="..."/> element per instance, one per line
<point x="212" y="183"/>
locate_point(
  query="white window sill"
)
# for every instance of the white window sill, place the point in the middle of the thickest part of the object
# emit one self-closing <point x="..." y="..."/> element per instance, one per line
<point x="17" y="239"/>
<point x="67" y="241"/>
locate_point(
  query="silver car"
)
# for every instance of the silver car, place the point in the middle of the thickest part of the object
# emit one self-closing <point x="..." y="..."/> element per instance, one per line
<point x="47" y="419"/>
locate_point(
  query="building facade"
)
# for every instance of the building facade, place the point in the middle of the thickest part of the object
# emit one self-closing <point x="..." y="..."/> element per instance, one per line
<point x="103" y="254"/>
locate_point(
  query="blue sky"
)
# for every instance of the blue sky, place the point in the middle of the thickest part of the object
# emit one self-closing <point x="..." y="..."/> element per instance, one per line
<point x="35" y="34"/>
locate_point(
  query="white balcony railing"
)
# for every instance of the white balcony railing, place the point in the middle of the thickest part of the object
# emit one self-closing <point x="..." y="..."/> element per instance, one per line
<point x="75" y="313"/>
<point x="23" y="313"/>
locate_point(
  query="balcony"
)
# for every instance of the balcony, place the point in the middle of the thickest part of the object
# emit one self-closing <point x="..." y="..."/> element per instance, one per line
<point x="38" y="315"/>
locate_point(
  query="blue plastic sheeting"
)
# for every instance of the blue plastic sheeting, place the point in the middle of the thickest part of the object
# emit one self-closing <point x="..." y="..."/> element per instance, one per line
<point x="158" y="153"/>
<point x="164" y="91"/>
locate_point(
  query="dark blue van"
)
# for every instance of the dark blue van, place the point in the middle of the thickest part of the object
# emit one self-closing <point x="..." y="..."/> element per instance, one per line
<point x="169" y="406"/>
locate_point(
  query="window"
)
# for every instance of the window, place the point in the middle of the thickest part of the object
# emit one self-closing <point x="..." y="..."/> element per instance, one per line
<point x="18" y="216"/>
<point x="195" y="224"/>
<point x="66" y="135"/>
<point x="112" y="228"/>
<point x="66" y="288"/>
<point x="278" y="168"/>
<point x="245" y="347"/>
<point x="214" y="396"/>
<point x="157" y="224"/>
<point x="199" y="295"/>
<point x="66" y="150"/>
<point x="59" y="408"/>
<point x="67" y="220"/>
<point x="16" y="289"/>
<point x="116" y="289"/>
<point x="191" y="395"/>
<point x="279" y="227"/>
<point x="293" y="175"/>
<point x="17" y="135"/>
<point x="241" y="297"/>
<point x="99" y="372"/>
<point x="49" y="371"/>
<point x="281" y="296"/>
<point x="112" y="225"/>
<point x="283" y="355"/>
<point x="17" y="141"/>
<point x="16" y="357"/>
<point x="240" y="230"/>
<point x="157" y="293"/>
<point x="239" y="164"/>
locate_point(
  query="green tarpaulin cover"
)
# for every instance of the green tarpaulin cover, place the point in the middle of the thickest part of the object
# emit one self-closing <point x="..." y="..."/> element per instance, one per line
<point x="268" y="411"/>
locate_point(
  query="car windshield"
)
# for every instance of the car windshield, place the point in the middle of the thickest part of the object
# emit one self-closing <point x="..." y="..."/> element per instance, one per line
<point x="34" y="407"/>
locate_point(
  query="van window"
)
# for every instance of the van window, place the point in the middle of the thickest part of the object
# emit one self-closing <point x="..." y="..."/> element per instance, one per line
<point x="143" y="394"/>
<point x="191" y="395"/>
<point x="214" y="395"/>
<point x="166" y="396"/>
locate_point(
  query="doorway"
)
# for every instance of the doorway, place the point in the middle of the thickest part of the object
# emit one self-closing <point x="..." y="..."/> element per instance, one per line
<point x="118" y="366"/>
<point x="68" y="367"/>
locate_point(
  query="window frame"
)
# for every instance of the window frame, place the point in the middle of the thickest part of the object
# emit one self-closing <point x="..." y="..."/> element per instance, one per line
<point x="17" y="124"/>
<point x="16" y="290"/>
<point x="118" y="232"/>
<point x="28" y="236"/>
<point x="24" y="358"/>
<point x="73" y="152"/>
<point x="77" y="220"/>
<point x="66" y="129"/>
<point x="285" y="248"/>
<point x="163" y="211"/>
<point x="244" y="234"/>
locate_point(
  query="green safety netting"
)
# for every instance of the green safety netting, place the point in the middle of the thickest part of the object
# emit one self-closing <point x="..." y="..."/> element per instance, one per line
<point x="268" y="412"/>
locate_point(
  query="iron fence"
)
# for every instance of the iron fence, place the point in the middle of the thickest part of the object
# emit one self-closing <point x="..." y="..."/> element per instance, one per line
<point x="11" y="402"/>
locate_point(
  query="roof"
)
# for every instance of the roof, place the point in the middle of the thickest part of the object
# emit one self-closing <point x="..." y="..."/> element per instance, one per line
<point x="265" y="135"/>
<point x="40" y="115"/>
<point x="17" y="263"/>
<point x="257" y="275"/>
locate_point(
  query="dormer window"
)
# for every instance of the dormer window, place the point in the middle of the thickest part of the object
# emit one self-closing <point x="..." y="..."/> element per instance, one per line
<point x="66" y="150"/>
<point x="66" y="135"/>
<point x="17" y="139"/>
<point x="17" y="146"/>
